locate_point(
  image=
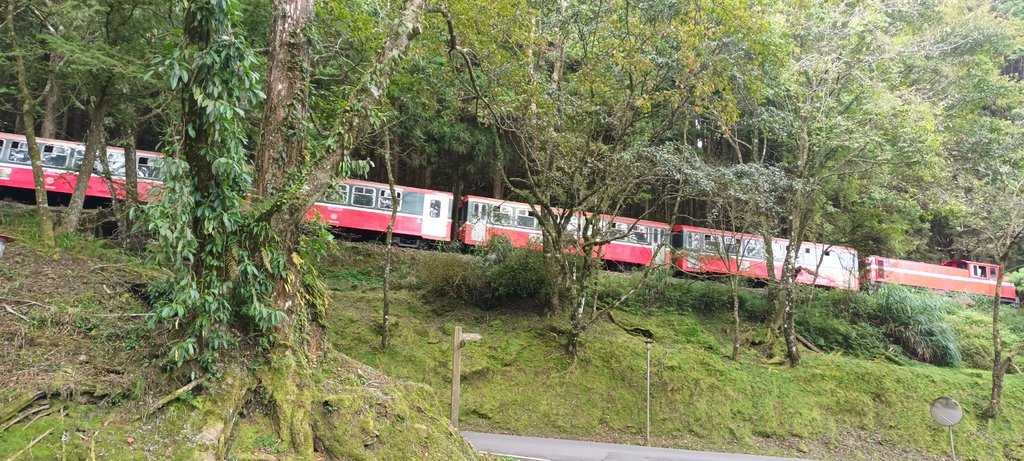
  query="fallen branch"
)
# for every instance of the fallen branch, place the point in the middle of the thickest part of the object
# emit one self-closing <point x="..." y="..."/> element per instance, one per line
<point x="8" y="307"/>
<point x="807" y="343"/>
<point x="22" y="416"/>
<point x="24" y="301"/>
<point x="174" y="395"/>
<point x="41" y="414"/>
<point x="30" y="445"/>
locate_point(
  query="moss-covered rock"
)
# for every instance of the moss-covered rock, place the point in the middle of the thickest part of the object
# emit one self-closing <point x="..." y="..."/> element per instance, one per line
<point x="386" y="422"/>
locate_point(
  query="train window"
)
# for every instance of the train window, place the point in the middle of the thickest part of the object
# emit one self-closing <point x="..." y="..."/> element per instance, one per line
<point x="150" y="168"/>
<point x="476" y="211"/>
<point x="55" y="156"/>
<point x="526" y="219"/>
<point x="501" y="215"/>
<point x="711" y="243"/>
<point x="3" y="144"/>
<point x="435" y="208"/>
<point x="18" y="153"/>
<point x="979" y="271"/>
<point x="754" y="249"/>
<point x="385" y="201"/>
<point x="693" y="241"/>
<point x="828" y="252"/>
<point x="639" y="235"/>
<point x="337" y="194"/>
<point x="363" y="196"/>
<point x="731" y="245"/>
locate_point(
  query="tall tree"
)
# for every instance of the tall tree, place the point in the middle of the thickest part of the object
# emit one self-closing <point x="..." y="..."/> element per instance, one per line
<point x="29" y="102"/>
<point x="242" y="266"/>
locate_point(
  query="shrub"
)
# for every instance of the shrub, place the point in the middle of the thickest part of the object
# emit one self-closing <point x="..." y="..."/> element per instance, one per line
<point x="523" y="274"/>
<point x="453" y="276"/>
<point x="916" y="320"/>
<point x="834" y="322"/>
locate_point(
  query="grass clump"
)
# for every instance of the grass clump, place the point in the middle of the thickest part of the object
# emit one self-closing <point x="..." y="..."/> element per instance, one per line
<point x="524" y="274"/>
<point x="917" y="321"/>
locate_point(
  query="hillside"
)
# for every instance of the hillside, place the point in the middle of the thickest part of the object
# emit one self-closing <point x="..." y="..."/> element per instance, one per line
<point x="835" y="406"/>
<point x="84" y="342"/>
<point x="84" y="377"/>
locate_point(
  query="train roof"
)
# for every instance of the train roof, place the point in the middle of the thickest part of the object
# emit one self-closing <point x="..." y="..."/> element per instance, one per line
<point x="61" y="142"/>
<point x="359" y="182"/>
<point x="742" y="235"/>
<point x="639" y="222"/>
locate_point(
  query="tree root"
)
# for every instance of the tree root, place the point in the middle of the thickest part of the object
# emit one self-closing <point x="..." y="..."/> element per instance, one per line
<point x="8" y="411"/>
<point x="173" y="396"/>
<point x="220" y="413"/>
<point x="22" y="416"/>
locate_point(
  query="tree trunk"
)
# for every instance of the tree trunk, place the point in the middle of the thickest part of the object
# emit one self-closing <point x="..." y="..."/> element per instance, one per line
<point x="48" y="127"/>
<point x="95" y="137"/>
<point x="385" y="333"/>
<point x="284" y="110"/>
<point x="43" y="213"/>
<point x="998" y="365"/>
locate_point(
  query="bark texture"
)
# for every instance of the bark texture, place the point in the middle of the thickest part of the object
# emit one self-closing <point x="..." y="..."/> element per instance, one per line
<point x="95" y="139"/>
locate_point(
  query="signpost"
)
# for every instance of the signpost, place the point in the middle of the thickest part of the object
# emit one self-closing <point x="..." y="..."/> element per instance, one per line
<point x="459" y="340"/>
<point x="947" y="412"/>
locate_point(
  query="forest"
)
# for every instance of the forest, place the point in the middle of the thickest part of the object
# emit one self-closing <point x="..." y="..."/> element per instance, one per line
<point x="893" y="127"/>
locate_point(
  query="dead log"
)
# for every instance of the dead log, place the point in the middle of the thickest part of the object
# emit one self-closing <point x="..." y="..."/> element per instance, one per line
<point x="807" y="343"/>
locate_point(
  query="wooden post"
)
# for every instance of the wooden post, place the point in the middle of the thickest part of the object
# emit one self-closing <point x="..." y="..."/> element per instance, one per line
<point x="456" y="372"/>
<point x="458" y="340"/>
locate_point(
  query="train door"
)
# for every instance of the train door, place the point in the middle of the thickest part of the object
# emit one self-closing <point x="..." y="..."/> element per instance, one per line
<point x="436" y="214"/>
<point x="476" y="219"/>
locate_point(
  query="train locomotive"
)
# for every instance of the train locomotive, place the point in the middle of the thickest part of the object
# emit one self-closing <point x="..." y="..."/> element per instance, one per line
<point x="426" y="216"/>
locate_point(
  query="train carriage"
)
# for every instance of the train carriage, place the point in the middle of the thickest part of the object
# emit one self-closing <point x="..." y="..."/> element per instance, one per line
<point x="710" y="251"/>
<point x="423" y="214"/>
<point x="958" y="275"/>
<point x="61" y="162"/>
<point x="638" y="242"/>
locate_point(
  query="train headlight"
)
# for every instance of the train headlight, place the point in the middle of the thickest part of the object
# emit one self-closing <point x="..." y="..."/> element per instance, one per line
<point x="5" y="174"/>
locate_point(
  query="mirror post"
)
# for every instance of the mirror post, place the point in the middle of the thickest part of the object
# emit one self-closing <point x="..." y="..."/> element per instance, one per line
<point x="648" y="342"/>
<point x="952" y="449"/>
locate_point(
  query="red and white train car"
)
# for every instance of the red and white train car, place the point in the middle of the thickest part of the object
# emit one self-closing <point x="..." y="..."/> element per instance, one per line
<point x="710" y="251"/>
<point x="483" y="218"/>
<point x="423" y="214"/>
<point x="61" y="161"/>
<point x="958" y="275"/>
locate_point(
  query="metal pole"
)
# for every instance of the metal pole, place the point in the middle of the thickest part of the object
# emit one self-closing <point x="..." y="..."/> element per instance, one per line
<point x="648" y="392"/>
<point x="952" y="449"/>
<point x="456" y="372"/>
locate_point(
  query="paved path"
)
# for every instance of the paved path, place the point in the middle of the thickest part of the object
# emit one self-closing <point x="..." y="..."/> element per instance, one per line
<point x="538" y="449"/>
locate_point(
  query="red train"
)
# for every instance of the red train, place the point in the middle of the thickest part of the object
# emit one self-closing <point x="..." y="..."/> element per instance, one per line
<point x="425" y="215"/>
<point x="61" y="160"/>
<point x="641" y="243"/>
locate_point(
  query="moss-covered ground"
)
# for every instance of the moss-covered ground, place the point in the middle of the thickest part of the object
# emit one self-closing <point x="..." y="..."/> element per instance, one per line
<point x="79" y="333"/>
<point x="78" y="353"/>
<point x="833" y="406"/>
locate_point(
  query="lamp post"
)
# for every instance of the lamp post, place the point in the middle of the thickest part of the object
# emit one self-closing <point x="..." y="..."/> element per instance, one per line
<point x="459" y="340"/>
<point x="4" y="240"/>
